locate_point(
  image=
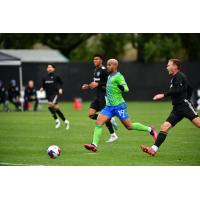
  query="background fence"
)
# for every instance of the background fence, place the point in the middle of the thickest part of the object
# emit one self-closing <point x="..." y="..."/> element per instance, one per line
<point x="144" y="80"/>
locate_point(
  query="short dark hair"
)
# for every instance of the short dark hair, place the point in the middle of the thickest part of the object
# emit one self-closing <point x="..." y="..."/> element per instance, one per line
<point x="177" y="62"/>
<point x="51" y="65"/>
<point x="98" y="55"/>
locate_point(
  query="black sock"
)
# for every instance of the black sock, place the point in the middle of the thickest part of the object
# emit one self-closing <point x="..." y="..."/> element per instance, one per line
<point x="161" y="138"/>
<point x="36" y="104"/>
<point x="52" y="111"/>
<point x="110" y="127"/>
<point x="94" y="117"/>
<point x="60" y="114"/>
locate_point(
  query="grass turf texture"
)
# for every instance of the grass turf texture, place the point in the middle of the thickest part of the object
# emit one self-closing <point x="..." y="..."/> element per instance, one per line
<point x="25" y="137"/>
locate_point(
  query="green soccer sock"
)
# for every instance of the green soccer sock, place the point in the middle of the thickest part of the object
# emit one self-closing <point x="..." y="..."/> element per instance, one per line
<point x="97" y="134"/>
<point x="140" y="127"/>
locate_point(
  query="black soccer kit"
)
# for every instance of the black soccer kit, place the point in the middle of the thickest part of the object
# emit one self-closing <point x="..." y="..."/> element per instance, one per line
<point x="100" y="77"/>
<point x="51" y="84"/>
<point x="180" y="92"/>
<point x="14" y="95"/>
<point x="3" y="94"/>
<point x="29" y="93"/>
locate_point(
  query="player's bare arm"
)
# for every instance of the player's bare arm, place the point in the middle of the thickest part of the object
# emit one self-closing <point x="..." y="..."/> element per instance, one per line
<point x="158" y="97"/>
<point x="85" y="87"/>
<point x="93" y="85"/>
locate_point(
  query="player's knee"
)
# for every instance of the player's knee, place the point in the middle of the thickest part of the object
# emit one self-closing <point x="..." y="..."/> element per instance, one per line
<point x="198" y="125"/>
<point x="164" y="127"/>
<point x="99" y="123"/>
<point x="50" y="104"/>
<point x="55" y="106"/>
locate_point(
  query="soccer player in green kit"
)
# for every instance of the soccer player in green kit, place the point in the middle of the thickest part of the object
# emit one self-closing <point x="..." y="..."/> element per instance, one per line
<point x="115" y="106"/>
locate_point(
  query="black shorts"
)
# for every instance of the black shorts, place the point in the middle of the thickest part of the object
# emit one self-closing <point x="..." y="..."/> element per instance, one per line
<point x="185" y="109"/>
<point x="98" y="104"/>
<point x="53" y="98"/>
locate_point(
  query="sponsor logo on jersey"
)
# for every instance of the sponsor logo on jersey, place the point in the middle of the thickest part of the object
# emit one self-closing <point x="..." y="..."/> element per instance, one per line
<point x="49" y="81"/>
<point x="96" y="79"/>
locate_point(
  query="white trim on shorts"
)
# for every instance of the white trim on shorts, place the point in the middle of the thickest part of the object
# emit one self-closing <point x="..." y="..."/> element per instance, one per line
<point x="55" y="98"/>
<point x="190" y="106"/>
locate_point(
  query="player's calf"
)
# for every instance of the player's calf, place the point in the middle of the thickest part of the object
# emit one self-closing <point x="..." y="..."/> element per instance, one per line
<point x="196" y="122"/>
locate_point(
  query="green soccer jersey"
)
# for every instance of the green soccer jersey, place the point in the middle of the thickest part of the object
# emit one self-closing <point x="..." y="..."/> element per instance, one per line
<point x="113" y="93"/>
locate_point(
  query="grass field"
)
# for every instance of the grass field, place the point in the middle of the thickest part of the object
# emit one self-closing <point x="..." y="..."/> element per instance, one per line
<point x="25" y="137"/>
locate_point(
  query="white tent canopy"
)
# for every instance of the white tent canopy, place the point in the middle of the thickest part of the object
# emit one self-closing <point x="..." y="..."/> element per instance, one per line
<point x="36" y="55"/>
<point x="9" y="60"/>
<point x="15" y="57"/>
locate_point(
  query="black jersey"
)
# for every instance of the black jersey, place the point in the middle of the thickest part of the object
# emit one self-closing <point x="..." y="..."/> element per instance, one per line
<point x="180" y="90"/>
<point x="100" y="77"/>
<point x="13" y="92"/>
<point x="30" y="92"/>
<point x="51" y="84"/>
<point x="3" y="93"/>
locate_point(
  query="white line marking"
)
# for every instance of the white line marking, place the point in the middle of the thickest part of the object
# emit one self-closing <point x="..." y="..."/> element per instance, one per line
<point x="19" y="164"/>
<point x="91" y="153"/>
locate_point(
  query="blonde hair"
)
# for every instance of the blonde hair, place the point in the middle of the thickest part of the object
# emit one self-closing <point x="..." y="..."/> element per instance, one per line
<point x="177" y="62"/>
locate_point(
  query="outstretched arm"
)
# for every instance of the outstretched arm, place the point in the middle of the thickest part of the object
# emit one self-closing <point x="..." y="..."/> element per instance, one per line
<point x="177" y="87"/>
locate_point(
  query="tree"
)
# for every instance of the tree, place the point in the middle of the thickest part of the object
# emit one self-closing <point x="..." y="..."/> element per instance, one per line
<point x="161" y="47"/>
<point x="151" y="47"/>
<point x="65" y="42"/>
<point x="138" y="41"/>
<point x="113" y="44"/>
<point x="191" y="43"/>
<point x="18" y="40"/>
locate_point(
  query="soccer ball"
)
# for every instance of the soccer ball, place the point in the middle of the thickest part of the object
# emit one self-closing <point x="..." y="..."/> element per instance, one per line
<point x="54" y="151"/>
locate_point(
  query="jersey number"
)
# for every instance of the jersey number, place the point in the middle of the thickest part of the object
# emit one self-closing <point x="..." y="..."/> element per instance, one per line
<point x="121" y="113"/>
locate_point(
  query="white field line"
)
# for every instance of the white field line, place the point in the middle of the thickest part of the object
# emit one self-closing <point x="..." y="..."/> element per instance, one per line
<point x="18" y="164"/>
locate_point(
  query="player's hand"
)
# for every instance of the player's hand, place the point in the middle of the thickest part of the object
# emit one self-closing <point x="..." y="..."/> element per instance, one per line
<point x="93" y="85"/>
<point x="158" y="97"/>
<point x="33" y="97"/>
<point x="85" y="87"/>
<point x="60" y="91"/>
<point x="17" y="99"/>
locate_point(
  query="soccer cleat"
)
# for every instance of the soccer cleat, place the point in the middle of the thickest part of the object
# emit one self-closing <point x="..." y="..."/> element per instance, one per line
<point x="154" y="133"/>
<point x="90" y="147"/>
<point x="148" y="150"/>
<point x="57" y="124"/>
<point x="114" y="123"/>
<point x="112" y="137"/>
<point x="66" y="124"/>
